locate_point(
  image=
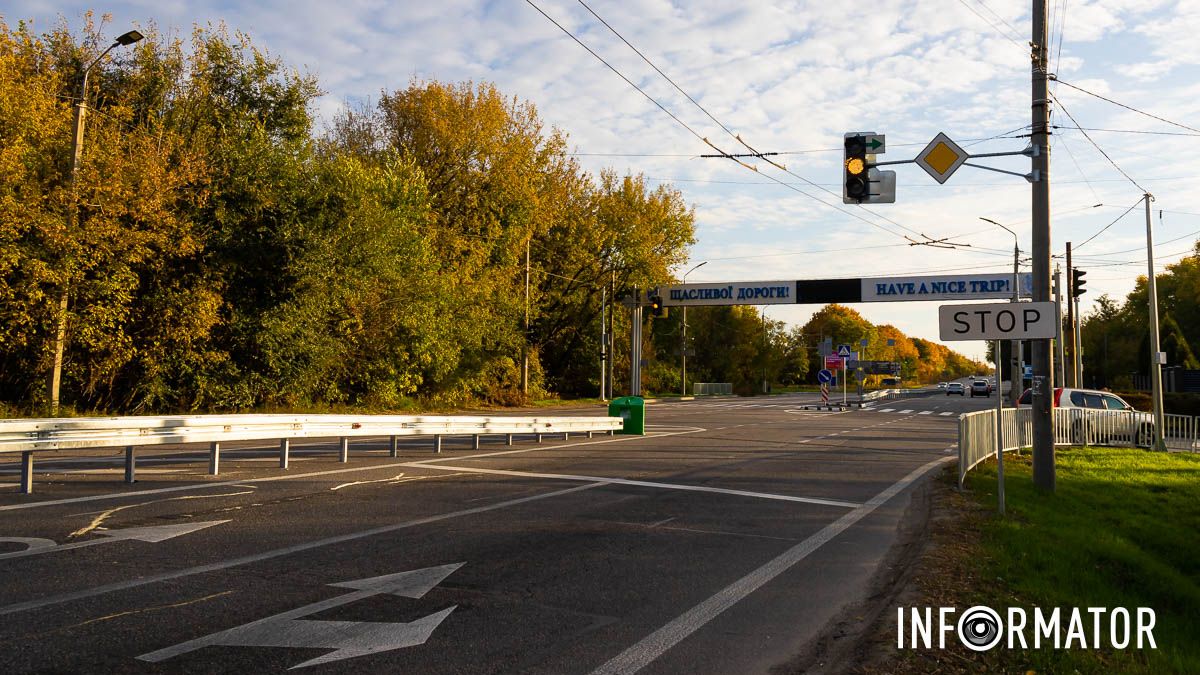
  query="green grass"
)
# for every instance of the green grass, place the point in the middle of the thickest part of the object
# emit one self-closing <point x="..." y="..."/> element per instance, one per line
<point x="1121" y="530"/>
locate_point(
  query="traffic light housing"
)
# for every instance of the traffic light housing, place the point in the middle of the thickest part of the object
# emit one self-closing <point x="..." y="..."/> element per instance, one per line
<point x="857" y="186"/>
<point x="1078" y="283"/>
<point x="656" y="306"/>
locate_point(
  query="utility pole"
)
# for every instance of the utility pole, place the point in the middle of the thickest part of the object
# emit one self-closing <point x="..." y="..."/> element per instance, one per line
<point x="603" y="341"/>
<point x="525" y="342"/>
<point x="1043" y="358"/>
<point x="635" y="345"/>
<point x="683" y="339"/>
<point x="1072" y="376"/>
<point x="1155" y="360"/>
<point x="1060" y="357"/>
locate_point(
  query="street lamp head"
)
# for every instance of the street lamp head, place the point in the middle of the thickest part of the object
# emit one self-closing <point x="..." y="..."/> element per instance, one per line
<point x="129" y="38"/>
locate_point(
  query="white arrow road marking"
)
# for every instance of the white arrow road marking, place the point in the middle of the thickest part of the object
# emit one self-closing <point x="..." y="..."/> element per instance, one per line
<point x="153" y="535"/>
<point x="348" y="639"/>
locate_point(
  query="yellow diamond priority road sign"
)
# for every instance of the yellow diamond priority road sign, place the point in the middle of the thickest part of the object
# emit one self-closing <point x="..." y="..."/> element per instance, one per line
<point x="942" y="157"/>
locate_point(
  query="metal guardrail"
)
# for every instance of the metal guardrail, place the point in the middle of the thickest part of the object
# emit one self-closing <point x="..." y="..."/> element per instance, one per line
<point x="30" y="436"/>
<point x="712" y="388"/>
<point x="1072" y="426"/>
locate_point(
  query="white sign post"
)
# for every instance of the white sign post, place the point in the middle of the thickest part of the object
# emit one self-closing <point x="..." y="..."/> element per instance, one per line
<point x="998" y="321"/>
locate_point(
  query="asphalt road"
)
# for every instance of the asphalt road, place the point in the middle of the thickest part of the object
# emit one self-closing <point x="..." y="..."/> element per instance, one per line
<point x="725" y="540"/>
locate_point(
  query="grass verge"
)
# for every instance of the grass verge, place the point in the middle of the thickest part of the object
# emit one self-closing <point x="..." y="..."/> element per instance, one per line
<point x="1119" y="531"/>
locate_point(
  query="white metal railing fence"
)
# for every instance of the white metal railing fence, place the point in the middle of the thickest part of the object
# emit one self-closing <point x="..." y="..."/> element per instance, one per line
<point x="29" y="436"/>
<point x="1072" y="426"/>
<point x="712" y="388"/>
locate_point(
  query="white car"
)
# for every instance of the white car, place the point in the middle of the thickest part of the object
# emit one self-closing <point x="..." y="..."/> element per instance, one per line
<point x="956" y="388"/>
<point x="1100" y="416"/>
<point x="942" y="385"/>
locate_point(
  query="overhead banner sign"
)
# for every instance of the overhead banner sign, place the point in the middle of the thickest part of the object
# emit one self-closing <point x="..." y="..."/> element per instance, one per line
<point x="998" y="321"/>
<point x="965" y="286"/>
<point x="945" y="287"/>
<point x="730" y="293"/>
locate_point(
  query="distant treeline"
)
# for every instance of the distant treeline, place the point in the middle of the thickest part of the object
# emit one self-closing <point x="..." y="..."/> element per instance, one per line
<point x="227" y="254"/>
<point x="1116" y="335"/>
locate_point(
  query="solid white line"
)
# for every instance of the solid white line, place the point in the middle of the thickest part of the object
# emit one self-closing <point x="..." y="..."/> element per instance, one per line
<point x="645" y="483"/>
<point x="314" y="474"/>
<point x="657" y="643"/>
<point x="275" y="553"/>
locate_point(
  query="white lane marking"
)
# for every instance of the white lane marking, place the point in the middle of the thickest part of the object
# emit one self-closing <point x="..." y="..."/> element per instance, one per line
<point x="925" y="412"/>
<point x="152" y="534"/>
<point x="614" y="439"/>
<point x="945" y="414"/>
<point x="888" y="410"/>
<point x="348" y="639"/>
<point x="647" y="483"/>
<point x="314" y="474"/>
<point x="651" y="647"/>
<point x="905" y="412"/>
<point x="105" y="514"/>
<point x="278" y="552"/>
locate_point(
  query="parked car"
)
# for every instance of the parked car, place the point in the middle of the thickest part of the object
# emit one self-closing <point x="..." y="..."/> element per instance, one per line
<point x="1103" y="417"/>
<point x="956" y="388"/>
<point x="980" y="388"/>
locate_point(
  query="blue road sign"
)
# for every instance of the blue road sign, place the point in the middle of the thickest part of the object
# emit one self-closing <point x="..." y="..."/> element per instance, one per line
<point x="824" y="376"/>
<point x="844" y="351"/>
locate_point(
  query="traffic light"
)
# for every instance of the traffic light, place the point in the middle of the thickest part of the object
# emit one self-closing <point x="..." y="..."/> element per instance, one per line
<point x="656" y="306"/>
<point x="854" y="164"/>
<point x="1078" y="283"/>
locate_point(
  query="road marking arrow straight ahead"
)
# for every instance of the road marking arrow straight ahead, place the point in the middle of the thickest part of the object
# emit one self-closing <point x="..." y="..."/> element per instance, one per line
<point x="153" y="534"/>
<point x="348" y="639"/>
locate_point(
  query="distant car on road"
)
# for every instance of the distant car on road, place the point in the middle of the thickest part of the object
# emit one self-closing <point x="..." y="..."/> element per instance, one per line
<point x="956" y="388"/>
<point x="980" y="388"/>
<point x="942" y="385"/>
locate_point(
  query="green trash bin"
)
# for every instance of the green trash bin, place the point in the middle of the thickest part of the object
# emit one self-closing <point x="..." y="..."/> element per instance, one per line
<point x="632" y="409"/>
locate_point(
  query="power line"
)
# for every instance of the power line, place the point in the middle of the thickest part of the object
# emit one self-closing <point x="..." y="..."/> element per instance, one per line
<point x="1127" y="131"/>
<point x="1114" y="222"/>
<point x="993" y="25"/>
<point x="706" y="141"/>
<point x="1063" y="142"/>
<point x="658" y="70"/>
<point x="1127" y="107"/>
<point x="797" y="152"/>
<point x="993" y="12"/>
<point x="1097" y="146"/>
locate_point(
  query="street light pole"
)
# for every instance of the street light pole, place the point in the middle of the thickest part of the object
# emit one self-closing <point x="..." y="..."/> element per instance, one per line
<point x="60" y="319"/>
<point x="683" y="339"/>
<point x="1016" y="378"/>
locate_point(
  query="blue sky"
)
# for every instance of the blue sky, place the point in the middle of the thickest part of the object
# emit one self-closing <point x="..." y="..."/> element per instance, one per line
<point x="793" y="77"/>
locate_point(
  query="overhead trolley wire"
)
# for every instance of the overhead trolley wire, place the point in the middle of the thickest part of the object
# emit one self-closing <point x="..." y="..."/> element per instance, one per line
<point x="1127" y="107"/>
<point x="1102" y="230"/>
<point x="1097" y="145"/>
<point x="705" y="140"/>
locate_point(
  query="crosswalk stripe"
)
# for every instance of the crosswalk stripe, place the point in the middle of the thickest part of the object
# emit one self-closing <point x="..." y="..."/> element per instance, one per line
<point x="888" y="410"/>
<point x="905" y="412"/>
<point x="925" y="412"/>
<point x="946" y="414"/>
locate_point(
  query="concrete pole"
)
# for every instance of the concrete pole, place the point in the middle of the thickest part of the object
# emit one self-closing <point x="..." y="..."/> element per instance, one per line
<point x="1060" y="357"/>
<point x="603" y="342"/>
<point x="1043" y="358"/>
<point x="525" y="341"/>
<point x="1155" y="364"/>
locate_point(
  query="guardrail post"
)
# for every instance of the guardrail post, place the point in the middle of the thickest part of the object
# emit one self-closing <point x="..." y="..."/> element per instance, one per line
<point x="566" y="435"/>
<point x="27" y="472"/>
<point x="394" y="447"/>
<point x="344" y="451"/>
<point x="508" y="439"/>
<point x="475" y="442"/>
<point x="130" y="464"/>
<point x="284" y="448"/>
<point x="612" y="432"/>
<point x="437" y="443"/>
<point x="539" y="437"/>
<point x="589" y="433"/>
<point x="214" y="459"/>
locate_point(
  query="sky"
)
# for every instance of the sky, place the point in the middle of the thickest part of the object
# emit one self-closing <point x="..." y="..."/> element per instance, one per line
<point x="793" y="78"/>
